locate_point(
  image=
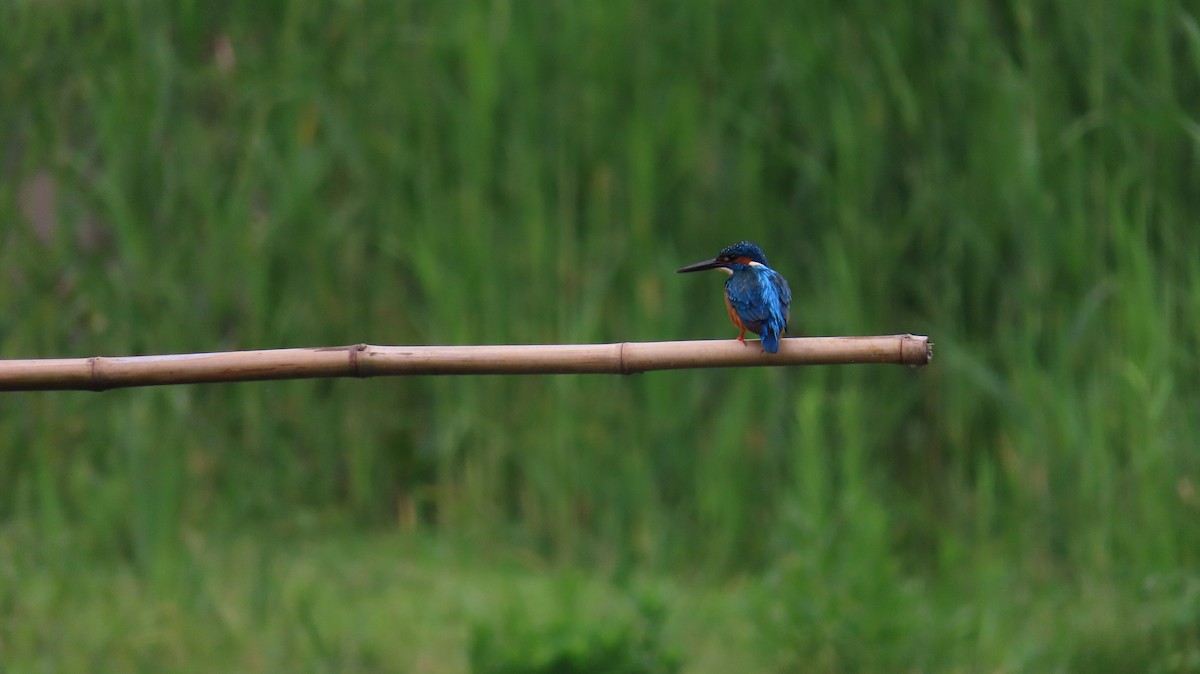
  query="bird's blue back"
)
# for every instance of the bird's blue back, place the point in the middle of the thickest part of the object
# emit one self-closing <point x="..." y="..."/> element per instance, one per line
<point x="761" y="297"/>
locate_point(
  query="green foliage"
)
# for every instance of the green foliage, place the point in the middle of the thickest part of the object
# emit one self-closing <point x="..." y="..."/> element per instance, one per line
<point x="1016" y="180"/>
<point x="574" y="640"/>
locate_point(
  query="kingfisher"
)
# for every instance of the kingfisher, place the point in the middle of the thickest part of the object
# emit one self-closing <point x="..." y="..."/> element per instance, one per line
<point x="756" y="296"/>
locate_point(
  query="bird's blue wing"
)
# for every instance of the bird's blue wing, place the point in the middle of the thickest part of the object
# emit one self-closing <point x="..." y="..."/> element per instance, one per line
<point x="785" y="295"/>
<point x="760" y="295"/>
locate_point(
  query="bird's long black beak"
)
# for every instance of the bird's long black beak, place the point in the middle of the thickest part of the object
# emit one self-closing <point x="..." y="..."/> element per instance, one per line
<point x="701" y="266"/>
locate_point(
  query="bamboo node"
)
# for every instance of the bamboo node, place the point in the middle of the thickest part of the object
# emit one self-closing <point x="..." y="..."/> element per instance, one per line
<point x="96" y="377"/>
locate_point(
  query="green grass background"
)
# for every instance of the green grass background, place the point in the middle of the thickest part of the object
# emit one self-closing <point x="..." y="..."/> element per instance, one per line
<point x="1019" y="180"/>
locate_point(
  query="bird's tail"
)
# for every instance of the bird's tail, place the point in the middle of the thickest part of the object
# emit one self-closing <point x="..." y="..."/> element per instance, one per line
<point x="770" y="338"/>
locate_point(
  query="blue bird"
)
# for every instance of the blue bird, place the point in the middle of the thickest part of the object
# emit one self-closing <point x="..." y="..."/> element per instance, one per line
<point x="756" y="296"/>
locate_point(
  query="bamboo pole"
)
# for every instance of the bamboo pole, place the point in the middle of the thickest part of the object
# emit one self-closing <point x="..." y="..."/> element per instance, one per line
<point x="100" y="373"/>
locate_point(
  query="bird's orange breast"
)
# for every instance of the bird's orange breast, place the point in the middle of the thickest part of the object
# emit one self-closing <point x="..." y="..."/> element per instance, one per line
<point x="733" y="314"/>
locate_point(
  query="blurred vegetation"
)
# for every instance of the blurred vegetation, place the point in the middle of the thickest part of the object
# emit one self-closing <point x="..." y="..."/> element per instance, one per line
<point x="1017" y="180"/>
<point x="575" y="642"/>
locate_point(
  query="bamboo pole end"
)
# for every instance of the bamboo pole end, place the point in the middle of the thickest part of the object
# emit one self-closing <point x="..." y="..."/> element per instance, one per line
<point x="915" y="350"/>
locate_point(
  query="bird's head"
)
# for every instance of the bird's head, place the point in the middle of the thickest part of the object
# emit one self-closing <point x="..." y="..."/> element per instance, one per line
<point x="731" y="258"/>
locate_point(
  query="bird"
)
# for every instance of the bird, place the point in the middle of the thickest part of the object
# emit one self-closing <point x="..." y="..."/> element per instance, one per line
<point x="757" y="297"/>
